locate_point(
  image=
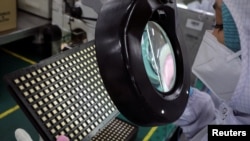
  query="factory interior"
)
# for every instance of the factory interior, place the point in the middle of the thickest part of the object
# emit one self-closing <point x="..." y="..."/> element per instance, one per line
<point x="51" y="45"/>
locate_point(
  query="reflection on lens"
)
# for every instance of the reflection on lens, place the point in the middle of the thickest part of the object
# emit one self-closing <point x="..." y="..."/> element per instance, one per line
<point x="158" y="57"/>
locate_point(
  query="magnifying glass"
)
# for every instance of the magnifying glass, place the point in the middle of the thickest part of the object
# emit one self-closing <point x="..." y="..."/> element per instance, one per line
<point x="158" y="57"/>
<point x="142" y="60"/>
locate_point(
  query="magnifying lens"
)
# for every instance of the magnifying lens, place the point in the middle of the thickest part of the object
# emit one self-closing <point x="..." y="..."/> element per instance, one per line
<point x="158" y="57"/>
<point x="142" y="60"/>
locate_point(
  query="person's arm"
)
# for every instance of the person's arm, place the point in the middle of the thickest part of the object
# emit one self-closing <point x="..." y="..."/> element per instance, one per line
<point x="200" y="111"/>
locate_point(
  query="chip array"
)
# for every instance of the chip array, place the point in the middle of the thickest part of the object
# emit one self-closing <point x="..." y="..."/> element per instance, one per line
<point x="64" y="94"/>
<point x="117" y="130"/>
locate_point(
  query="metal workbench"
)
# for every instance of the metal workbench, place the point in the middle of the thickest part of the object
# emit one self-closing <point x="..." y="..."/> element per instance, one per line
<point x="27" y="25"/>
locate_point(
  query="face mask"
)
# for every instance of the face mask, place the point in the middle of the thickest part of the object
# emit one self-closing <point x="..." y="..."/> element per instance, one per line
<point x="217" y="66"/>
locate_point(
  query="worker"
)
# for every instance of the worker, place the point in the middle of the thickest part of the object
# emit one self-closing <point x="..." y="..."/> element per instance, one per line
<point x="227" y="97"/>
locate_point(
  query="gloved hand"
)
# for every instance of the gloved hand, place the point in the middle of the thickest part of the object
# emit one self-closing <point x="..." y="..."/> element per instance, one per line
<point x="62" y="138"/>
<point x="22" y="135"/>
<point x="199" y="112"/>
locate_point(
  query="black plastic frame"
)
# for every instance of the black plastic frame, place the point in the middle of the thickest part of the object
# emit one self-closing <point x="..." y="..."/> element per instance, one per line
<point x="118" y="34"/>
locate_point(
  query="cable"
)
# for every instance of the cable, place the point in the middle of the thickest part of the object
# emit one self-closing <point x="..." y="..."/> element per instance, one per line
<point x="88" y="24"/>
<point x="88" y="18"/>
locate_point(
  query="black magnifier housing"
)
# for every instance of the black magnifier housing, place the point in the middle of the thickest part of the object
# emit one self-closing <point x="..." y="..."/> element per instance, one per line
<point x="119" y="30"/>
